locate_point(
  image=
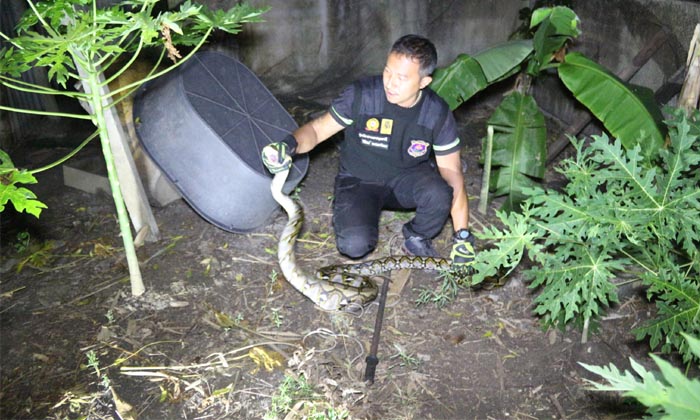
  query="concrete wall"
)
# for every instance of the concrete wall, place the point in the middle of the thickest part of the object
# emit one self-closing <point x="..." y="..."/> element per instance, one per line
<point x="308" y="46"/>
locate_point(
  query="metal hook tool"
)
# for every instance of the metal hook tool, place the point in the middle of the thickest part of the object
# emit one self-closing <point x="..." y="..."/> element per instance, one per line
<point x="372" y="359"/>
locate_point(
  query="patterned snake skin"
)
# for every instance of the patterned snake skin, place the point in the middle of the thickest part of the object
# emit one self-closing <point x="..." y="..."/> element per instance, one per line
<point x="335" y="287"/>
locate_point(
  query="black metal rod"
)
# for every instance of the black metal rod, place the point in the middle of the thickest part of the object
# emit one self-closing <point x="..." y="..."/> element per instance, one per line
<point x="372" y="359"/>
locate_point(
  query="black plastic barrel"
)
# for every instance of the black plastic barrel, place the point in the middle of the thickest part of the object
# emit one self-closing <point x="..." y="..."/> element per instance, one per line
<point x="204" y="125"/>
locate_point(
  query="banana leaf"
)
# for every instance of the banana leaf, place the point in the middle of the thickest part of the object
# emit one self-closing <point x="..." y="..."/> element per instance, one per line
<point x="630" y="114"/>
<point x="459" y="81"/>
<point x="502" y="60"/>
<point x="556" y="26"/>
<point x="468" y="75"/>
<point x="519" y="148"/>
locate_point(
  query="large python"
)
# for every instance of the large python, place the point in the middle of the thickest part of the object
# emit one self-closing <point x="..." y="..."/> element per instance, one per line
<point x="335" y="287"/>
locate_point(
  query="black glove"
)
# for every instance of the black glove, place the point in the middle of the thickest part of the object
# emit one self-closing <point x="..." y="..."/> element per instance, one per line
<point x="463" y="252"/>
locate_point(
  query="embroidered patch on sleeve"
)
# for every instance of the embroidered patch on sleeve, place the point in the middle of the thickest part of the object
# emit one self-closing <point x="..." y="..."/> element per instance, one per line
<point x="418" y="148"/>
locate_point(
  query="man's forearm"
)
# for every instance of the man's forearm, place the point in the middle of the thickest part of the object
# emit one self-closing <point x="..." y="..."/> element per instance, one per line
<point x="460" y="209"/>
<point x="306" y="138"/>
<point x="315" y="132"/>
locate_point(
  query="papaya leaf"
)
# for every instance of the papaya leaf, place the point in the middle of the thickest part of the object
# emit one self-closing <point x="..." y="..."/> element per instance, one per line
<point x="95" y="38"/>
<point x="680" y="162"/>
<point x="667" y="394"/>
<point x="510" y="246"/>
<point x="578" y="283"/>
<point x="693" y="344"/>
<point x="519" y="147"/>
<point x="678" y="302"/>
<point x="619" y="203"/>
<point x="630" y="117"/>
<point x="21" y="198"/>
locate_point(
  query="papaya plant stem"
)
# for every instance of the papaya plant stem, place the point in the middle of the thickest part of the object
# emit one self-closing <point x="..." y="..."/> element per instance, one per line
<point x="486" y="179"/>
<point x="6" y="38"/>
<point x="126" y="66"/>
<point x="49" y="113"/>
<point x="137" y="287"/>
<point x="45" y="25"/>
<point x="166" y="70"/>
<point x="33" y="88"/>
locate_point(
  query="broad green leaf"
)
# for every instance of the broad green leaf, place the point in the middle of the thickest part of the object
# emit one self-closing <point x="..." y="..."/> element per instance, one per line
<point x="555" y="28"/>
<point x="459" y="81"/>
<point x="468" y="75"/>
<point x="617" y="213"/>
<point x="629" y="117"/>
<point x="518" y="147"/>
<point x="503" y="60"/>
<point x="565" y="21"/>
<point x="540" y="14"/>
<point x="506" y="180"/>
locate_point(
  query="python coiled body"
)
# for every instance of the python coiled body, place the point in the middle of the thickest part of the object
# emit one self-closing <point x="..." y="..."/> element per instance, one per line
<point x="337" y="286"/>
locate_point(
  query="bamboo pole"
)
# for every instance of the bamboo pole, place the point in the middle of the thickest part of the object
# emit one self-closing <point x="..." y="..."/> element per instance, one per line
<point x="486" y="178"/>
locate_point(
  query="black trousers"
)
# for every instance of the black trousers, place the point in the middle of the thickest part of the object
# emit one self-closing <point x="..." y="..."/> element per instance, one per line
<point x="358" y="204"/>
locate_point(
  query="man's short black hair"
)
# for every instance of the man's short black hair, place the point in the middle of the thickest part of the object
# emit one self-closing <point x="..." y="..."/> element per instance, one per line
<point x="419" y="48"/>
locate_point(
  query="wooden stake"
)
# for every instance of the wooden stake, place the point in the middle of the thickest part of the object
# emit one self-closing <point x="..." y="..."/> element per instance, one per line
<point x="690" y="92"/>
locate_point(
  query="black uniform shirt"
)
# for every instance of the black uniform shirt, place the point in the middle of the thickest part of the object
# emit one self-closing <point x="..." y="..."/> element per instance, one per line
<point x="384" y="139"/>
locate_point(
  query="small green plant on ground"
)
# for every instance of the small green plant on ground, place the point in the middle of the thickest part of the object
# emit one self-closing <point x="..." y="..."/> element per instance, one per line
<point x="22" y="243"/>
<point x="667" y="394"/>
<point x="273" y="279"/>
<point x="38" y="255"/>
<point x="94" y="363"/>
<point x="405" y="359"/>
<point x="620" y="216"/>
<point x="79" y="403"/>
<point x="452" y="282"/>
<point x="277" y="317"/>
<point x="295" y="393"/>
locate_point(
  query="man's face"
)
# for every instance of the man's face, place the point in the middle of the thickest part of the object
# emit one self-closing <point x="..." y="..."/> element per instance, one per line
<point x="402" y="80"/>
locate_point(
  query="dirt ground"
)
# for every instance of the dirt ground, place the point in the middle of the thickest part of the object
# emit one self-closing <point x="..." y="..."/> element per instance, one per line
<point x="218" y="330"/>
